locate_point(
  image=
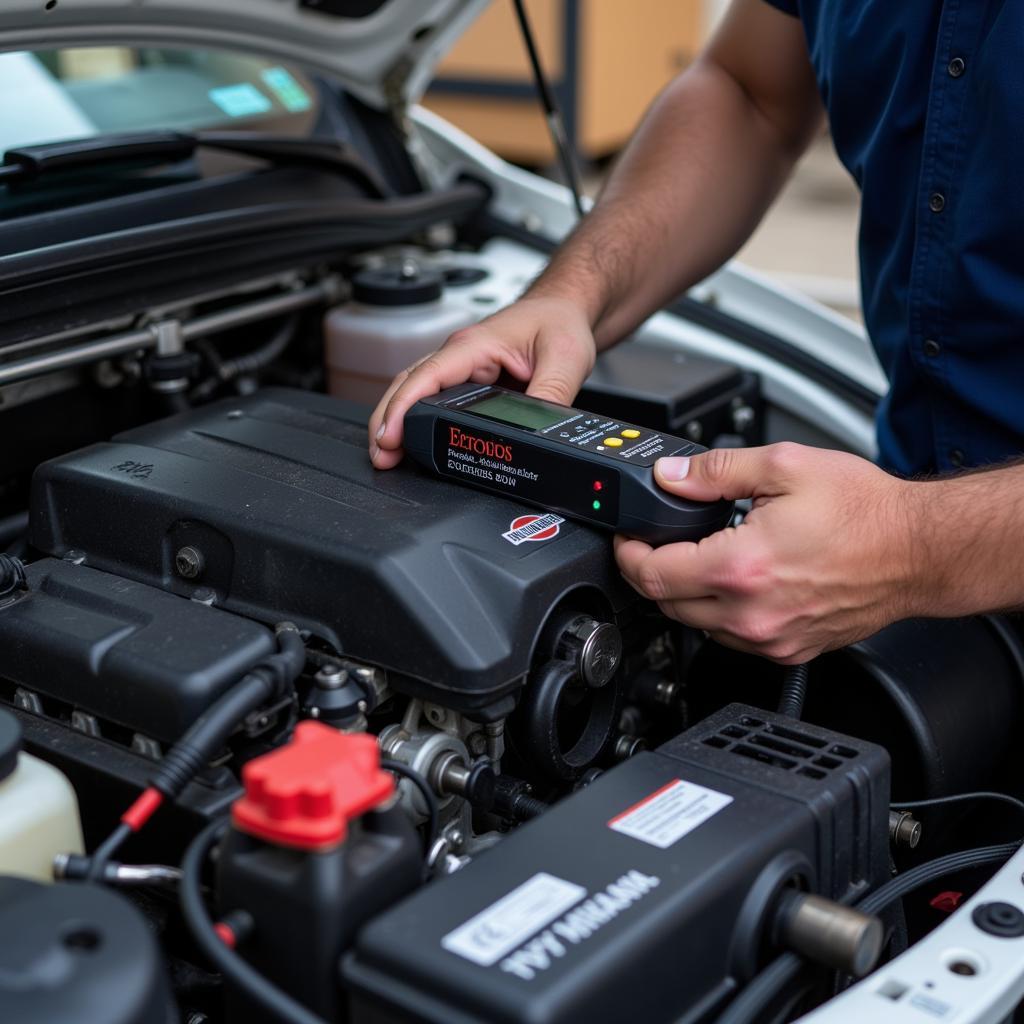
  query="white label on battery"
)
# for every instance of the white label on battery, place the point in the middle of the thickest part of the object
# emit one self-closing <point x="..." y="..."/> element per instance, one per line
<point x="670" y="813"/>
<point x="486" y="938"/>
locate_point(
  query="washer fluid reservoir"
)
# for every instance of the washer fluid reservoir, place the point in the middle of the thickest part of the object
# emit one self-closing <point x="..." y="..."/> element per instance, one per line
<point x="38" y="809"/>
<point x="397" y="315"/>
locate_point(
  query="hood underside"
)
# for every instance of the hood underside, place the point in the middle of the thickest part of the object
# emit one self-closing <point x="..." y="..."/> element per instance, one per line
<point x="383" y="51"/>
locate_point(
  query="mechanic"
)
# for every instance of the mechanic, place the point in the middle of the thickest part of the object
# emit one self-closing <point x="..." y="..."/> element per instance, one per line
<point x="924" y="102"/>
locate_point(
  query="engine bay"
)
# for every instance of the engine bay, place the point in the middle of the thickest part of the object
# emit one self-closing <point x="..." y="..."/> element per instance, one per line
<point x="452" y="767"/>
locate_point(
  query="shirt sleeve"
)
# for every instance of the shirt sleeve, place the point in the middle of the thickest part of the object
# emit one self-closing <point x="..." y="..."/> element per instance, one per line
<point x="788" y="6"/>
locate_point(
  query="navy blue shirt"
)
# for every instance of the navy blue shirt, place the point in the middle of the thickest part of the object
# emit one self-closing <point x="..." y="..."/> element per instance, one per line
<point x="926" y="104"/>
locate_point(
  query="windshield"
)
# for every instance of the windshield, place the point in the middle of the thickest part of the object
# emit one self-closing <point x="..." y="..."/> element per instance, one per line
<point x="55" y="95"/>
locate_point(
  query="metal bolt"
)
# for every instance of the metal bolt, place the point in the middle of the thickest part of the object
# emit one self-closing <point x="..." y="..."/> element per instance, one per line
<point x="204" y="595"/>
<point x="904" y="829"/>
<point x="75" y="557"/>
<point x="666" y="692"/>
<point x="626" y="746"/>
<point x="331" y="677"/>
<point x="742" y="417"/>
<point x="235" y="414"/>
<point x="601" y="650"/>
<point x="189" y="562"/>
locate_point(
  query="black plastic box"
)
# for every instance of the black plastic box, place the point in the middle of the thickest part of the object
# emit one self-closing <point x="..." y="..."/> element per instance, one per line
<point x="643" y="897"/>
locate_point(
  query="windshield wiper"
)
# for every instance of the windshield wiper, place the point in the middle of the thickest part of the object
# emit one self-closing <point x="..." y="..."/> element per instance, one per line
<point x="154" y="148"/>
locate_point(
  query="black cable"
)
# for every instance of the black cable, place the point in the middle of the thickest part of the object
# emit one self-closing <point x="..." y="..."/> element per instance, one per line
<point x="277" y="1003"/>
<point x="551" y="112"/>
<point x="429" y="798"/>
<point x="956" y="798"/>
<point x="97" y="866"/>
<point x="226" y="370"/>
<point x="12" y="575"/>
<point x="794" y="691"/>
<point x="208" y="733"/>
<point x="767" y="985"/>
<point x="931" y="870"/>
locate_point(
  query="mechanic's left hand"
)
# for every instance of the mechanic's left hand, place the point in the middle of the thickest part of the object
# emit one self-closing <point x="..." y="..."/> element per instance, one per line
<point x="823" y="559"/>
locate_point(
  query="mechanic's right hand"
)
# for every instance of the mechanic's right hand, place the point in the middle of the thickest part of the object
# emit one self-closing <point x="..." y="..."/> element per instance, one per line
<point x="546" y="341"/>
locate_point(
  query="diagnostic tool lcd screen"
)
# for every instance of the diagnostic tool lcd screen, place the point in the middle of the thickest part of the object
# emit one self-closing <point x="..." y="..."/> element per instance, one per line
<point x="520" y="412"/>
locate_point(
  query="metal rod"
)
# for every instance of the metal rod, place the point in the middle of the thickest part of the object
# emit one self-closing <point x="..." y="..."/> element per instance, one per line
<point x="553" y="116"/>
<point x="146" y="338"/>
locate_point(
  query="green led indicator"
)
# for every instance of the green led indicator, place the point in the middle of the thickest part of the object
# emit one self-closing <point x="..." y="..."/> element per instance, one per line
<point x="596" y="505"/>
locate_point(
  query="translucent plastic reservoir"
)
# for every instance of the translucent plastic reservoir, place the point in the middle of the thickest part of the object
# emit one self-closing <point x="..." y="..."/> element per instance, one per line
<point x="38" y="819"/>
<point x="396" y="317"/>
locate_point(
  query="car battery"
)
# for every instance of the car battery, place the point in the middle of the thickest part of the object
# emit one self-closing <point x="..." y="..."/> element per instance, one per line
<point x="704" y="400"/>
<point x="648" y="895"/>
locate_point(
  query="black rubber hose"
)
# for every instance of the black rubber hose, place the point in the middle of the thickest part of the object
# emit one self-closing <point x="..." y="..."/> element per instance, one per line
<point x="228" y="369"/>
<point x="210" y="730"/>
<point x="429" y="798"/>
<point x="931" y="870"/>
<point x="277" y="1003"/>
<point x="794" y="691"/>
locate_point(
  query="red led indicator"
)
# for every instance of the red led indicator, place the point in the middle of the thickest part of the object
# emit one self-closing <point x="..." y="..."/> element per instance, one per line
<point x="598" y="486"/>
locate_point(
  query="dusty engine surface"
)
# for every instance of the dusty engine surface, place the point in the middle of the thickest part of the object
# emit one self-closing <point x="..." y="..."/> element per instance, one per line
<point x="268" y="507"/>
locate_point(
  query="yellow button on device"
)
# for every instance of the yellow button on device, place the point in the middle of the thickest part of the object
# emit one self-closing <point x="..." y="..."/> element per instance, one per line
<point x="613" y="442"/>
<point x="630" y="433"/>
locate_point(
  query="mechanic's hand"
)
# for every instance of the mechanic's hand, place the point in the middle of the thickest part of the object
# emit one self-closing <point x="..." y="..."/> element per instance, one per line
<point x="823" y="559"/>
<point x="546" y="341"/>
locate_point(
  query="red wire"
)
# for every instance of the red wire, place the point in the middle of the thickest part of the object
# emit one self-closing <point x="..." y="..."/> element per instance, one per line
<point x="143" y="809"/>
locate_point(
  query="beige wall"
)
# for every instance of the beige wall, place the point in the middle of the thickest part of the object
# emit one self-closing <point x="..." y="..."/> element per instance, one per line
<point x="626" y="51"/>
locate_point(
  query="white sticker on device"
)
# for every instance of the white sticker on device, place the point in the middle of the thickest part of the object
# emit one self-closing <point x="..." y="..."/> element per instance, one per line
<point x="504" y="925"/>
<point x="669" y="813"/>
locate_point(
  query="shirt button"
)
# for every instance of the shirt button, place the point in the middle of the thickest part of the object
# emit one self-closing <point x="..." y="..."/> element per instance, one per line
<point x="932" y="348"/>
<point x="936" y="202"/>
<point x="956" y="67"/>
<point x="956" y="458"/>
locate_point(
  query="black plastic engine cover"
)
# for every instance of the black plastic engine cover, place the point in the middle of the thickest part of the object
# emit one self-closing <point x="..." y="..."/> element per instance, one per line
<point x="127" y="653"/>
<point x="292" y="522"/>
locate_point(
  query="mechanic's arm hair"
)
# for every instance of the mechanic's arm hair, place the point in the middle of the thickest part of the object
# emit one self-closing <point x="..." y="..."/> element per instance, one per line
<point x="968" y="542"/>
<point x="704" y="165"/>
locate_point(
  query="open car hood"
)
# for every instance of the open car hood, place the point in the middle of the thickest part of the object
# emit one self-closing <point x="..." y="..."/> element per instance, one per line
<point x="384" y="51"/>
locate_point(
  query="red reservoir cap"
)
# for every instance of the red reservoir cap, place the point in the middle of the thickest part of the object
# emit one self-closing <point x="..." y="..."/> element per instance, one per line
<point x="304" y="794"/>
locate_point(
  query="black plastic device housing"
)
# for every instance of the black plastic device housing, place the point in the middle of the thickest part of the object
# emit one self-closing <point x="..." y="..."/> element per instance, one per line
<point x="592" y="467"/>
<point x="807" y="806"/>
<point x="698" y="398"/>
<point x="278" y="495"/>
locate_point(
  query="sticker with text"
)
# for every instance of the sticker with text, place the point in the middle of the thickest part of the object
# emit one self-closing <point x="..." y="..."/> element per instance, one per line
<point x="533" y="527"/>
<point x="669" y="813"/>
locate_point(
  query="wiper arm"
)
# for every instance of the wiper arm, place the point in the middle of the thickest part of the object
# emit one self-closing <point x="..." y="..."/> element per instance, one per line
<point x="25" y="163"/>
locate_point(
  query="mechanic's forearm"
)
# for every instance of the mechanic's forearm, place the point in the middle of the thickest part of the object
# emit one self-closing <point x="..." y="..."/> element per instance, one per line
<point x="967" y="542"/>
<point x="689" y="189"/>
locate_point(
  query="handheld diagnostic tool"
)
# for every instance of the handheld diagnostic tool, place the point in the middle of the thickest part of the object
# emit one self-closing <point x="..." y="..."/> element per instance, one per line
<point x="584" y="465"/>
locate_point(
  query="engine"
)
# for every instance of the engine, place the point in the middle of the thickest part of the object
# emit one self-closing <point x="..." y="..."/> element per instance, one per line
<point x="494" y="784"/>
